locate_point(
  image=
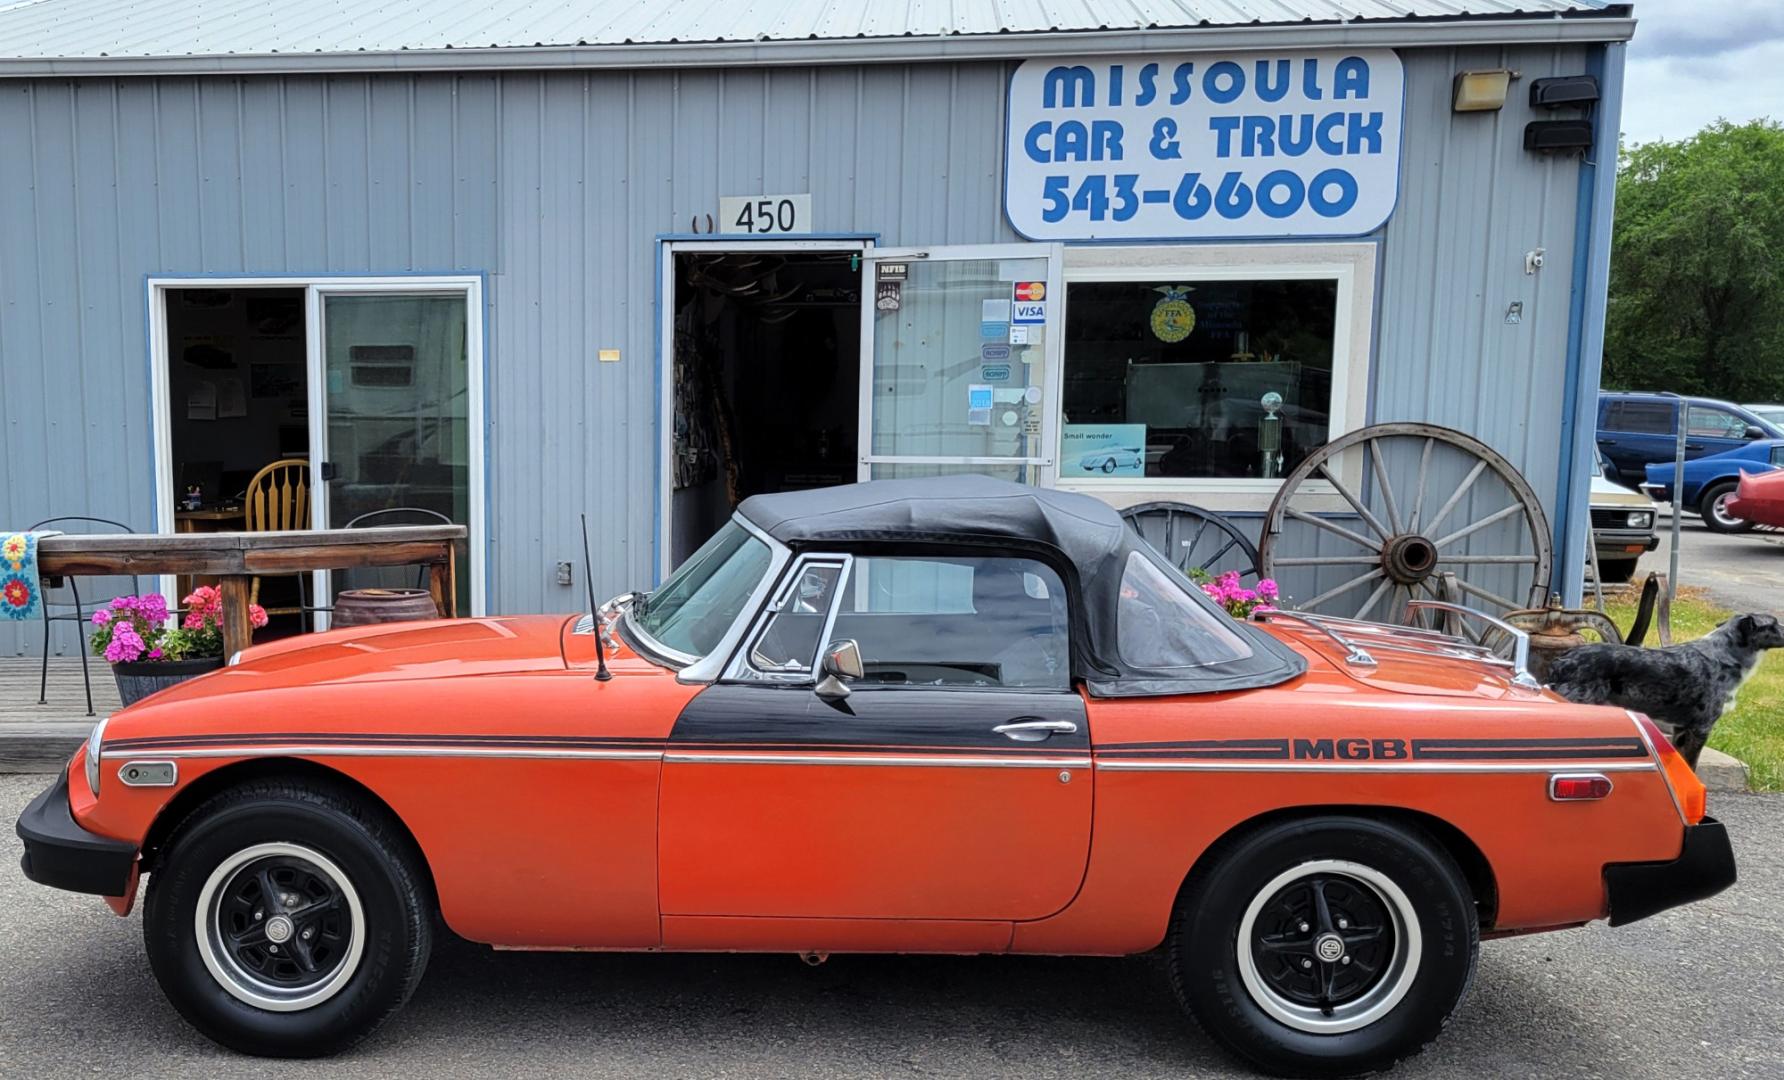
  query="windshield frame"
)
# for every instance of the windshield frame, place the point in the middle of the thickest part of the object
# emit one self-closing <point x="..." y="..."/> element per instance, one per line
<point x="693" y="668"/>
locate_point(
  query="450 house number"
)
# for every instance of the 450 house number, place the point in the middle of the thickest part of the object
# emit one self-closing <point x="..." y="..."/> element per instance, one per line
<point x="764" y="215"/>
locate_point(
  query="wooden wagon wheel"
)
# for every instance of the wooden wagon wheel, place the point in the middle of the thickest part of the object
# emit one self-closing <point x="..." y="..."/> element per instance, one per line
<point x="1194" y="539"/>
<point x="1359" y="509"/>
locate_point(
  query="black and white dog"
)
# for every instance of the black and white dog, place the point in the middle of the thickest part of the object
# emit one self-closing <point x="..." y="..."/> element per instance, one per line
<point x="1687" y="687"/>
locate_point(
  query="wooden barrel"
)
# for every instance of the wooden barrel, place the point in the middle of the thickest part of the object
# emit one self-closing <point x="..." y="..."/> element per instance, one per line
<point x="368" y="607"/>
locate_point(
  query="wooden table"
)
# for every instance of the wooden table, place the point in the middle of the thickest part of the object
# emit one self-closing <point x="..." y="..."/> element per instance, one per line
<point x="236" y="558"/>
<point x="187" y="521"/>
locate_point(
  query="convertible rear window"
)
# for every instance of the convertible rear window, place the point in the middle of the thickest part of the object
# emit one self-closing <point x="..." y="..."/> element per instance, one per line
<point x="1159" y="626"/>
<point x="692" y="610"/>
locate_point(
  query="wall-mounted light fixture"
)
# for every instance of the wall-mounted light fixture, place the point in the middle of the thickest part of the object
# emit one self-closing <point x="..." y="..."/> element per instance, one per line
<point x="1482" y="91"/>
<point x="1563" y="92"/>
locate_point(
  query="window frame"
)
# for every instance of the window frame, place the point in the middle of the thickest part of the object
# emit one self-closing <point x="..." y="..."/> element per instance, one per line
<point x="740" y="671"/>
<point x="1351" y="265"/>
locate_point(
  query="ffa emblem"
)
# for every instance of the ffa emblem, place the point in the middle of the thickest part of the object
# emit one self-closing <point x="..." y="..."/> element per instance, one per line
<point x="1172" y="317"/>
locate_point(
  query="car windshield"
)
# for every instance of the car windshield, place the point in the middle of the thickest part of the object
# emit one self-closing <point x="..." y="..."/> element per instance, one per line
<point x="690" y="613"/>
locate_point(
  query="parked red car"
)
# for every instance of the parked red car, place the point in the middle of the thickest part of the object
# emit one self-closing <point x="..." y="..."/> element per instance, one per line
<point x="1759" y="498"/>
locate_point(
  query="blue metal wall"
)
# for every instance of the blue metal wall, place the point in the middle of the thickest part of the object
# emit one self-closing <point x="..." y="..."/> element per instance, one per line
<point x="557" y="185"/>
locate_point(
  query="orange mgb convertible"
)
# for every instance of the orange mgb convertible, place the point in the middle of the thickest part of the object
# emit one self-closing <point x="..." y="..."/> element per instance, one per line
<point x="943" y="716"/>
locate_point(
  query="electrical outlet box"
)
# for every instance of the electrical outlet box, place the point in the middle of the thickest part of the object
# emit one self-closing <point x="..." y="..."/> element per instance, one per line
<point x="565" y="574"/>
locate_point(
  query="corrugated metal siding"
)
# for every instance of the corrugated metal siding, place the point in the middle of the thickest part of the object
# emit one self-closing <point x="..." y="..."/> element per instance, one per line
<point x="557" y="185"/>
<point x="1473" y="201"/>
<point x="69" y="28"/>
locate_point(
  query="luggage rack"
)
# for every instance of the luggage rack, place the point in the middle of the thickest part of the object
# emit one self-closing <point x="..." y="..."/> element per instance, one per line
<point x="1356" y="637"/>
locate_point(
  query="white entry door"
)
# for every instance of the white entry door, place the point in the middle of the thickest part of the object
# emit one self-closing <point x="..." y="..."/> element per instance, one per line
<point x="960" y="361"/>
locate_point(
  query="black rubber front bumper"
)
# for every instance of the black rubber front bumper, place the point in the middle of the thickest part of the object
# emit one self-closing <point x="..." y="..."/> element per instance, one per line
<point x="61" y="854"/>
<point x="1705" y="867"/>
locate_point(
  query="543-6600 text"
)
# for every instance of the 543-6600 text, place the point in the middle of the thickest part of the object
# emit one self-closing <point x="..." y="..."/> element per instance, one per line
<point x="1278" y="194"/>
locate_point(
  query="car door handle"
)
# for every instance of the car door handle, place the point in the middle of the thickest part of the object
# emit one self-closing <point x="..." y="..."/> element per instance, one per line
<point x="1035" y="730"/>
<point x="1694" y="446"/>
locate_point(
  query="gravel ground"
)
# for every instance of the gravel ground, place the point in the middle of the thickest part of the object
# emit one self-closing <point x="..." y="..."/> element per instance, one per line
<point x="1697" y="992"/>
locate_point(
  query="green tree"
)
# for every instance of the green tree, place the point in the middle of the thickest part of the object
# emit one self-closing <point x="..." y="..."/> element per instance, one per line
<point x="1697" y="265"/>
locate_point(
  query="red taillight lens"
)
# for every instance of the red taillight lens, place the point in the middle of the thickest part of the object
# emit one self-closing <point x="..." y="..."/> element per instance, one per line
<point x="1579" y="788"/>
<point x="1686" y="787"/>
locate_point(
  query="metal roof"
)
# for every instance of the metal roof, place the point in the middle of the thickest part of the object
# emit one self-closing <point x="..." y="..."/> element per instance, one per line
<point x="52" y="30"/>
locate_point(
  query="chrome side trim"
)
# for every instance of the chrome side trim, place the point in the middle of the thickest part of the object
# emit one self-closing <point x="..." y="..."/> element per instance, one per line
<point x="1418" y="767"/>
<point x="881" y="760"/>
<point x="326" y="750"/>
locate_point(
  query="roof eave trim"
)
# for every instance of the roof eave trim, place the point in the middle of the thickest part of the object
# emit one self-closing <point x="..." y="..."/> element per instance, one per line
<point x="1558" y="29"/>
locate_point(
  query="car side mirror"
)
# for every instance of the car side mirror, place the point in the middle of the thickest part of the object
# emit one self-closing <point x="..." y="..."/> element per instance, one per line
<point x="841" y="662"/>
<point x="1754" y="431"/>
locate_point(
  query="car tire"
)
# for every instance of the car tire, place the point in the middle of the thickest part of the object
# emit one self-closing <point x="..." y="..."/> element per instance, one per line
<point x="1235" y="947"/>
<point x="355" y="900"/>
<point x="1109" y="466"/>
<point x="1715" y="518"/>
<point x="1616" y="571"/>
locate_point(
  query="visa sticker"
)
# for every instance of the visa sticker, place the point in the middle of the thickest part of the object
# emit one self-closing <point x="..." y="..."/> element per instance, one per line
<point x="1029" y="311"/>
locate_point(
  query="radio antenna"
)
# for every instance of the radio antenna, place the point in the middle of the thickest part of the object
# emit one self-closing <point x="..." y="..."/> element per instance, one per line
<point x="594" y="609"/>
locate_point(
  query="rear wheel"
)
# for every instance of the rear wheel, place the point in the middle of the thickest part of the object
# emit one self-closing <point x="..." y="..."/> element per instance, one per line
<point x="287" y="920"/>
<point x="1712" y="506"/>
<point x="1325" y="947"/>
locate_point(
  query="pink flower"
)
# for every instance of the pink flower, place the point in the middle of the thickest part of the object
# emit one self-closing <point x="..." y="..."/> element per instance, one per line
<point x="101" y="617"/>
<point x="155" y="653"/>
<point x="256" y="616"/>
<point x="1267" y="589"/>
<point x="126" y="644"/>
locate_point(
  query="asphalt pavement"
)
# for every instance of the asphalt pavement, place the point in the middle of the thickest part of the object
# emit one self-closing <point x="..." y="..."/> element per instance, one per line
<point x="1697" y="992"/>
<point x="1739" y="571"/>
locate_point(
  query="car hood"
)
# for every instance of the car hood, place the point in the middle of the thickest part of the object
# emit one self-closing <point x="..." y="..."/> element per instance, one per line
<point x="390" y="652"/>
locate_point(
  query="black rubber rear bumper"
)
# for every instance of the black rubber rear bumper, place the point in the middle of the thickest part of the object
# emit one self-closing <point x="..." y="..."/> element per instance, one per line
<point x="61" y="854"/>
<point x="1705" y="867"/>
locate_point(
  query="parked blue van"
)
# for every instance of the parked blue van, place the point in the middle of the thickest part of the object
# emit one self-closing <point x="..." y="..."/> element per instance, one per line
<point x="1635" y="430"/>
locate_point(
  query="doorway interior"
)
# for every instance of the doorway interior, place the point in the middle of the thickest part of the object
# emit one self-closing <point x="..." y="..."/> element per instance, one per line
<point x="766" y="367"/>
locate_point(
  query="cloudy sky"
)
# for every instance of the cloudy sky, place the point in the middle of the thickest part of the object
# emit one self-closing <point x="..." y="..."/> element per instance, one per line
<point x="1695" y="60"/>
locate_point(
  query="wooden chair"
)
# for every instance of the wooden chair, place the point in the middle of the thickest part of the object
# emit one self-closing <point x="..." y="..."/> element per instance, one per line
<point x="278" y="499"/>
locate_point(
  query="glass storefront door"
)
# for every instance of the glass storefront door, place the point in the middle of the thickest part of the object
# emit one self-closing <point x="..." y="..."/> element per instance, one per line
<point x="960" y="352"/>
<point x="395" y="437"/>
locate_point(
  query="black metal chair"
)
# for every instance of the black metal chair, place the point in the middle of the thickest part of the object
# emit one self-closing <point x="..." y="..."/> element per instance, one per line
<point x="371" y="520"/>
<point x="81" y="612"/>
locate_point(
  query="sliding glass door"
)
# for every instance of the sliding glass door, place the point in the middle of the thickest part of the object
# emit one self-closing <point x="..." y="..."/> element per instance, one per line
<point x="395" y="429"/>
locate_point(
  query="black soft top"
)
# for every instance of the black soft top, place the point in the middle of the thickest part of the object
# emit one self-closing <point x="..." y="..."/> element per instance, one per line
<point x="1081" y="537"/>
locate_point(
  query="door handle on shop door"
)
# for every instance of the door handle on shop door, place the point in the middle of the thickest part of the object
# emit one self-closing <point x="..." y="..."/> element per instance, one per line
<point x="1028" y="729"/>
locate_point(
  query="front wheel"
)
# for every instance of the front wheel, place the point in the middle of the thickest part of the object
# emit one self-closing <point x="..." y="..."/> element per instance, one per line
<point x="288" y="920"/>
<point x="1329" y="946"/>
<point x="1712" y="506"/>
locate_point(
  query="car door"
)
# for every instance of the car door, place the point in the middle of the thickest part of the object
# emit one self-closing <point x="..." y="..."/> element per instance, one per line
<point x="952" y="782"/>
<point x="1635" y="432"/>
<point x="1713" y="430"/>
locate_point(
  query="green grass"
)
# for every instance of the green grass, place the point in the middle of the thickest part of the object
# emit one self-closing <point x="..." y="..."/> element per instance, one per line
<point x="1754" y="730"/>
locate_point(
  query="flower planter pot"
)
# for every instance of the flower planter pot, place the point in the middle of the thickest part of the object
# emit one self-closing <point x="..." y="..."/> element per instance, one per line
<point x="140" y="678"/>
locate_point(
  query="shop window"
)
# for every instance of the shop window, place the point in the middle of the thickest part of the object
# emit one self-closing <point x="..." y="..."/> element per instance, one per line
<point x="1196" y="378"/>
